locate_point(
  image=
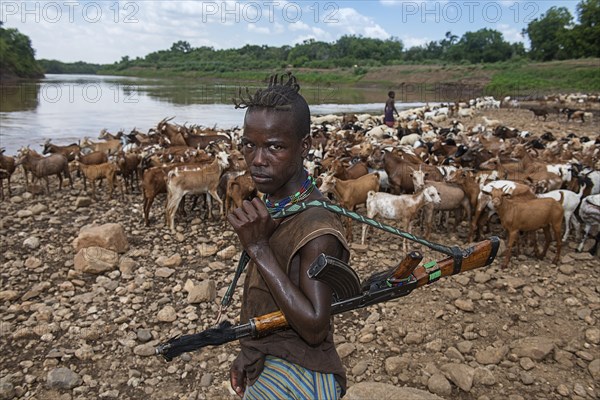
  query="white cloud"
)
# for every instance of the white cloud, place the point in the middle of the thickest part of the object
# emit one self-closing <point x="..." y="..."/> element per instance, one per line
<point x="511" y="34"/>
<point x="298" y="26"/>
<point x="258" y="29"/>
<point x="376" y="32"/>
<point x="352" y="22"/>
<point x="278" y="28"/>
<point x="410" y="41"/>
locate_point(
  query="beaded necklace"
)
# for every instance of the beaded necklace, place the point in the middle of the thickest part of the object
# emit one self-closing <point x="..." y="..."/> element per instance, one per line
<point x="305" y="191"/>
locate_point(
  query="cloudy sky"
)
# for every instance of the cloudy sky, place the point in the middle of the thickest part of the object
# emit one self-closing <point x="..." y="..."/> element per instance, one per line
<point x="105" y="31"/>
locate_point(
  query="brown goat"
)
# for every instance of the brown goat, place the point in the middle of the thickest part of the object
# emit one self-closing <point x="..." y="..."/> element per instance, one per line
<point x="128" y="166"/>
<point x="484" y="201"/>
<point x="93" y="158"/>
<point x="69" y="151"/>
<point x="42" y="167"/>
<point x="99" y="171"/>
<point x="400" y="173"/>
<point x="350" y="193"/>
<point x="529" y="216"/>
<point x="7" y="164"/>
<point x="240" y="188"/>
<point x="154" y="182"/>
<point x="352" y="172"/>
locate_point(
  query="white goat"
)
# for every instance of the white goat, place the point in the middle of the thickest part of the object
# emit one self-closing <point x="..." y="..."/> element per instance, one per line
<point x="466" y="113"/>
<point x="400" y="207"/>
<point x="491" y="123"/>
<point x="409" y="140"/>
<point x="570" y="201"/>
<point x="203" y="179"/>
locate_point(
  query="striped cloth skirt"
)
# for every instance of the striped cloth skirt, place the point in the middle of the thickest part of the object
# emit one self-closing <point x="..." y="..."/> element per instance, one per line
<point x="283" y="380"/>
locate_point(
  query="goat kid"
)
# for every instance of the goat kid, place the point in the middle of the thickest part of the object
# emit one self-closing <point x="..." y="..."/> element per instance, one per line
<point x="99" y="171"/>
<point x="399" y="207"/>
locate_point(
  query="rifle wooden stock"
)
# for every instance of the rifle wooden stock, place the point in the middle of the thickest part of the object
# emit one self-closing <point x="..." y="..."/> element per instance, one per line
<point x="476" y="256"/>
<point x="268" y="323"/>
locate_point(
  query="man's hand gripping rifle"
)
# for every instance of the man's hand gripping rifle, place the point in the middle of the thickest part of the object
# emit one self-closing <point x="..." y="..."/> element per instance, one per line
<point x="349" y="293"/>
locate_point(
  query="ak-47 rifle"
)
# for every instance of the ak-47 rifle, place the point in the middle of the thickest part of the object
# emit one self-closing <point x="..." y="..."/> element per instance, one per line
<point x="348" y="293"/>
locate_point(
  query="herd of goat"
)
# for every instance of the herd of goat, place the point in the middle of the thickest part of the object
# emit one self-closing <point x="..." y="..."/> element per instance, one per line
<point x="410" y="172"/>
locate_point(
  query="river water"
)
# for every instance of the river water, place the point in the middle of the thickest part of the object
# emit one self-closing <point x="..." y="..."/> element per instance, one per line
<point x="67" y="108"/>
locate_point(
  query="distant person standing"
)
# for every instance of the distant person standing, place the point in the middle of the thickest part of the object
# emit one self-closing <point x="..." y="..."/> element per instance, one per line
<point x="390" y="109"/>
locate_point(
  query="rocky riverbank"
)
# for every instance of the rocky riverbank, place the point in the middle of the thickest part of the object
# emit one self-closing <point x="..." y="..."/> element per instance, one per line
<point x="527" y="332"/>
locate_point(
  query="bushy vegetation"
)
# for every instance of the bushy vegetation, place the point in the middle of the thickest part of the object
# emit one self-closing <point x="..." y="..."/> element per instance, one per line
<point x="59" y="67"/>
<point x="346" y="52"/>
<point x="17" y="57"/>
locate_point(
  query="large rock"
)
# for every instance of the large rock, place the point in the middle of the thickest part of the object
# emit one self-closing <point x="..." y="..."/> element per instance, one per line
<point x="167" y="314"/>
<point x="491" y="355"/>
<point x="205" y="291"/>
<point x="483" y="376"/>
<point x="82" y="202"/>
<point x="207" y="250"/>
<point x="227" y="253"/>
<point x="38" y="209"/>
<point x="144" y="350"/>
<point x="32" y="242"/>
<point x="95" y="260"/>
<point x="535" y="347"/>
<point x="345" y="349"/>
<point x="460" y="374"/>
<point x="384" y="391"/>
<point x="592" y="335"/>
<point x="36" y="290"/>
<point x="63" y="378"/>
<point x="173" y="261"/>
<point x="107" y="236"/>
<point x="438" y="384"/>
<point x="394" y="365"/>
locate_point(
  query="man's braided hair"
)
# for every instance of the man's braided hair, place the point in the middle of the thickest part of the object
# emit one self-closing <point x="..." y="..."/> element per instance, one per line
<point x="282" y="94"/>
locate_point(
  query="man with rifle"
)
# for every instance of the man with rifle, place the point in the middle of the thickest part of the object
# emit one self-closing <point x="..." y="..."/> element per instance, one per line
<point x="301" y="361"/>
<point x="296" y="255"/>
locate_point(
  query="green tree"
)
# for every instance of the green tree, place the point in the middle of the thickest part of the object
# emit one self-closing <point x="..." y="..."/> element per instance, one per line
<point x="586" y="35"/>
<point x="17" y="57"/>
<point x="181" y="46"/>
<point x="484" y="45"/>
<point x="550" y="35"/>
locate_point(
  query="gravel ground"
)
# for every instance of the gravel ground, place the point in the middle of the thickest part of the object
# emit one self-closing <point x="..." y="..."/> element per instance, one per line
<point x="527" y="332"/>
